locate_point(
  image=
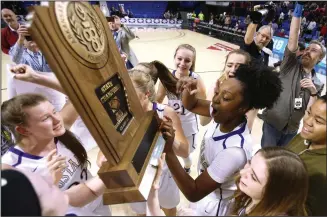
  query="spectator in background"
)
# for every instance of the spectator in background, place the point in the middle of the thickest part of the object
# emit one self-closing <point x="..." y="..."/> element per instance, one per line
<point x="274" y="26"/>
<point x="267" y="52"/>
<point x="9" y="34"/>
<point x="289" y="14"/>
<point x="254" y="45"/>
<point x="123" y="35"/>
<point x="167" y="15"/>
<point x="189" y="15"/>
<point x="281" y="33"/>
<point x="281" y="17"/>
<point x="201" y="16"/>
<point x="228" y="20"/>
<point x="321" y="39"/>
<point x="311" y="26"/>
<point x="300" y="88"/>
<point x="193" y="15"/>
<point x="173" y="15"/>
<point x="323" y="30"/>
<point x="211" y="21"/>
<point x="221" y="19"/>
<point x="113" y="11"/>
<point x="130" y="14"/>
<point x="178" y="14"/>
<point x="299" y="54"/>
<point x="303" y="21"/>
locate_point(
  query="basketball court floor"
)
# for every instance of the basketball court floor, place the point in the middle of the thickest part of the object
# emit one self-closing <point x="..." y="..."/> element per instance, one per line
<point x="160" y="44"/>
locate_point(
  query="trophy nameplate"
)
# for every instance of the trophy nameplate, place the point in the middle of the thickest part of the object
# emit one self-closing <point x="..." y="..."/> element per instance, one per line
<point x="79" y="47"/>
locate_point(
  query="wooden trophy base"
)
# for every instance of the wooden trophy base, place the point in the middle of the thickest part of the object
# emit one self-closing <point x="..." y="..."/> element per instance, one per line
<point x="140" y="192"/>
<point x="131" y="180"/>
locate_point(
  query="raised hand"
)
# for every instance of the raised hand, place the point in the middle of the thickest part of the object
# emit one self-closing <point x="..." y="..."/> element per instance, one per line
<point x="168" y="133"/>
<point x="22" y="32"/>
<point x="187" y="83"/>
<point x="23" y="72"/>
<point x="308" y="84"/>
<point x="56" y="164"/>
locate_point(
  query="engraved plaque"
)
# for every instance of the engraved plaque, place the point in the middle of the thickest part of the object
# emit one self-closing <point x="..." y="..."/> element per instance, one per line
<point x="113" y="98"/>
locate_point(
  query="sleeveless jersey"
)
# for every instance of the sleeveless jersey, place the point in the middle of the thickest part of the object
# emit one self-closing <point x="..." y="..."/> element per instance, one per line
<point x="74" y="174"/>
<point x="215" y="141"/>
<point x="188" y="119"/>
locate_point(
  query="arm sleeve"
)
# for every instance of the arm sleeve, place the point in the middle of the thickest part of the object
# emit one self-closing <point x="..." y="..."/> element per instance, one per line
<point x="4" y="44"/>
<point x="226" y="164"/>
<point x="129" y="33"/>
<point x="288" y="62"/>
<point x="246" y="47"/>
<point x="16" y="53"/>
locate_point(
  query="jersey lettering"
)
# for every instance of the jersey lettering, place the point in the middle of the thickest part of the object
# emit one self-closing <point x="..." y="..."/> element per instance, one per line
<point x="179" y="109"/>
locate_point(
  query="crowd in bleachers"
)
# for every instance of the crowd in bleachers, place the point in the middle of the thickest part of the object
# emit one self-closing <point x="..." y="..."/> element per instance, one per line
<point x="313" y="26"/>
<point x="172" y="15"/>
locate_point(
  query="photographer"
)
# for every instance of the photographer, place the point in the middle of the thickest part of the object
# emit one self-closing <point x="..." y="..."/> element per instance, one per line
<point x="300" y="87"/>
<point x="26" y="51"/>
<point x="254" y="45"/>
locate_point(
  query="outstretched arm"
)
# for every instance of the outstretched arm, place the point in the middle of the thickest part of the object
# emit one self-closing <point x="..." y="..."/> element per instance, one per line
<point x="26" y="73"/>
<point x="188" y="88"/>
<point x="295" y="27"/>
<point x="84" y="193"/>
<point x="153" y="206"/>
<point x="181" y="146"/>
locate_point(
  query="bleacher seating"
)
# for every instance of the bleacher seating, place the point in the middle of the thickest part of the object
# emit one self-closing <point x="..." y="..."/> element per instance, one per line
<point x="142" y="9"/>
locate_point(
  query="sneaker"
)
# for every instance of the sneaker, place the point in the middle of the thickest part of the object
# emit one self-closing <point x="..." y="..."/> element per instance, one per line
<point x="188" y="170"/>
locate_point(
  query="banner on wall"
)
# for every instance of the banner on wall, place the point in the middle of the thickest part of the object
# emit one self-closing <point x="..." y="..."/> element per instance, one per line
<point x="279" y="48"/>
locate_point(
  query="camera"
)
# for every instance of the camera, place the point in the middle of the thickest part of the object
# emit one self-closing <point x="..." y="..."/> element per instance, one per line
<point x="266" y="12"/>
<point x="26" y="24"/>
<point x="28" y="38"/>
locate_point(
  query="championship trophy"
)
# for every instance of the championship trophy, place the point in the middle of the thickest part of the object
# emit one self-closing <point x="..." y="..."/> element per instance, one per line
<point x="79" y="47"/>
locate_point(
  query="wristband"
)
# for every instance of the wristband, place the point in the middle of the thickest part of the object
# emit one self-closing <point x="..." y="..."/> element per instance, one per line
<point x="315" y="94"/>
<point x="298" y="10"/>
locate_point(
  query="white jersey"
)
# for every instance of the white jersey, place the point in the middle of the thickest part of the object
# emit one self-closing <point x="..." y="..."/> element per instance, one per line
<point x="74" y="174"/>
<point x="188" y="119"/>
<point x="213" y="144"/>
<point x="17" y="87"/>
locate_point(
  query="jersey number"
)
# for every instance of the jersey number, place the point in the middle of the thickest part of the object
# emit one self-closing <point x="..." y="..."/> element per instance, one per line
<point x="177" y="107"/>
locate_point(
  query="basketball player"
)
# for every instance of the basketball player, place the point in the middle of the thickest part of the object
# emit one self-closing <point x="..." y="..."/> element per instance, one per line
<point x="233" y="60"/>
<point x="227" y="144"/>
<point x="39" y="129"/>
<point x="184" y="59"/>
<point x="169" y="196"/>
